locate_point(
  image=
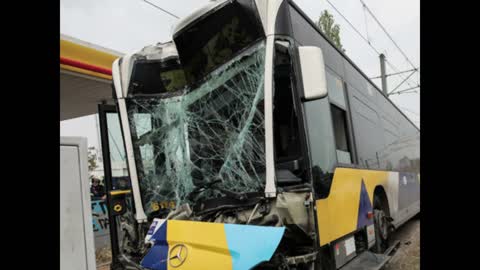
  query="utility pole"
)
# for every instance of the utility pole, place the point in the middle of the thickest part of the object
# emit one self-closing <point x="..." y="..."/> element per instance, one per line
<point x="383" y="74"/>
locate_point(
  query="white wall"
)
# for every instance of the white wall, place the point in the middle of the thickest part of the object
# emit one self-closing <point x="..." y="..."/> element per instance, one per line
<point x="77" y="251"/>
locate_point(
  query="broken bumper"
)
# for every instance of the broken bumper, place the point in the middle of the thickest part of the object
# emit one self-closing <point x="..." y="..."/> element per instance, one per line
<point x="201" y="245"/>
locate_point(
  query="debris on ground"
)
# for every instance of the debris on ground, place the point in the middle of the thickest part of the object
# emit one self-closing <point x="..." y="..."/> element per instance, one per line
<point x="103" y="257"/>
<point x="103" y="267"/>
<point x="407" y="256"/>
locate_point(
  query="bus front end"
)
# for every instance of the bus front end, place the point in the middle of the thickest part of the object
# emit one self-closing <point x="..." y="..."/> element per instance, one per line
<point x="197" y="121"/>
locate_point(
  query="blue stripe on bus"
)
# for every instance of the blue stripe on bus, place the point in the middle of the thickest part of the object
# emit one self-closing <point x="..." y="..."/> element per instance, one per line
<point x="156" y="257"/>
<point x="250" y="245"/>
<point x="364" y="207"/>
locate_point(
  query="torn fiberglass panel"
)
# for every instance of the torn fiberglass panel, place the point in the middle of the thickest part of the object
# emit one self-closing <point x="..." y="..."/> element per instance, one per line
<point x="214" y="131"/>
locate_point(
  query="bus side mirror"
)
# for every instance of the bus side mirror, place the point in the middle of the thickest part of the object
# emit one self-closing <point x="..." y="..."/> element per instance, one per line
<point x="313" y="72"/>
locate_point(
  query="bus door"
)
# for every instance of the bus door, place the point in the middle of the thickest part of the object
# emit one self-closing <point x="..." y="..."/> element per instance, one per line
<point x="117" y="182"/>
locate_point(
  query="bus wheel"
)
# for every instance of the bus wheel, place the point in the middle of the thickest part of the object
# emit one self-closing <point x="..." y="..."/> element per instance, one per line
<point x="381" y="222"/>
<point x="381" y="231"/>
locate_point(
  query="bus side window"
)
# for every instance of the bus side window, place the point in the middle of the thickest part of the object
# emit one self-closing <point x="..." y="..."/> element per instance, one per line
<point x="286" y="133"/>
<point x="287" y="145"/>
<point x="341" y="135"/>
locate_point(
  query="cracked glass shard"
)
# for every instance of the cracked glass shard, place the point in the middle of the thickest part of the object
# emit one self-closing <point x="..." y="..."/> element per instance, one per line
<point x="214" y="131"/>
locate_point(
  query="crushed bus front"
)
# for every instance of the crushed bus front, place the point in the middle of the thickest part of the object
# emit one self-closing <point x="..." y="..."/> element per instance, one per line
<point x="203" y="245"/>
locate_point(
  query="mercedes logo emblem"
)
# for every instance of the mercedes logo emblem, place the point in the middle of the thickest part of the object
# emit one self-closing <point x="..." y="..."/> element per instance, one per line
<point x="177" y="255"/>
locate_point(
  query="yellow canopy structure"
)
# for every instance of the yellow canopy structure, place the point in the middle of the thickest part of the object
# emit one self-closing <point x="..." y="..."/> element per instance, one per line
<point x="85" y="76"/>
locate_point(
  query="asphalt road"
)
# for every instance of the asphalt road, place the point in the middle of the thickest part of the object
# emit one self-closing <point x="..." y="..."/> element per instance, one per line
<point x="407" y="256"/>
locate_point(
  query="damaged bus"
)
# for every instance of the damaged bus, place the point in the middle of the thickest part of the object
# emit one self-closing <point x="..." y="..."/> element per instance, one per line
<point x="252" y="142"/>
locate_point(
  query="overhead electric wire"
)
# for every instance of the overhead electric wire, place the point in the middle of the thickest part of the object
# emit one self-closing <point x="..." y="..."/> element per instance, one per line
<point x="396" y="70"/>
<point x="366" y="25"/>
<point x="161" y="9"/>
<point x="366" y="40"/>
<point x="386" y="32"/>
<point x="393" y="91"/>
<point x="354" y="28"/>
<point x="391" y="74"/>
<point x="405" y="91"/>
<point x="391" y="38"/>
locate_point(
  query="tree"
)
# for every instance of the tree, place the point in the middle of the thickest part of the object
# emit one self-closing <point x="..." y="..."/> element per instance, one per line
<point x="92" y="159"/>
<point x="327" y="25"/>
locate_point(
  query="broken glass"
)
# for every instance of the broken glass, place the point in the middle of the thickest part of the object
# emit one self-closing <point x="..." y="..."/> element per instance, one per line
<point x="212" y="132"/>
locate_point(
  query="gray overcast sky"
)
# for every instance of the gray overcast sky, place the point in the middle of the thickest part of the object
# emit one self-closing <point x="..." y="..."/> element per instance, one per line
<point x="129" y="25"/>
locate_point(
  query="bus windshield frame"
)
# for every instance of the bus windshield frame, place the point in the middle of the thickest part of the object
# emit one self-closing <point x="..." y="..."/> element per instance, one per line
<point x="210" y="42"/>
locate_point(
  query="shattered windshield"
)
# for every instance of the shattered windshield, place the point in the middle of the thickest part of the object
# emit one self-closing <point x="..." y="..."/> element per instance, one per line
<point x="212" y="132"/>
<point x="214" y="40"/>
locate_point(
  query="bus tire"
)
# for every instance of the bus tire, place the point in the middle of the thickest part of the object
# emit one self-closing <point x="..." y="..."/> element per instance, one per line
<point x="382" y="226"/>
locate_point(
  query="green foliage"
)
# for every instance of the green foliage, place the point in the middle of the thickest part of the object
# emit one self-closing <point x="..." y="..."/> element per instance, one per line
<point x="92" y="159"/>
<point x="327" y="25"/>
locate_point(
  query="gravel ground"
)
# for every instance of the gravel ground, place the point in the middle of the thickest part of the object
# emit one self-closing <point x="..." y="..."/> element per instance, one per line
<point x="103" y="267"/>
<point x="103" y="258"/>
<point x="407" y="256"/>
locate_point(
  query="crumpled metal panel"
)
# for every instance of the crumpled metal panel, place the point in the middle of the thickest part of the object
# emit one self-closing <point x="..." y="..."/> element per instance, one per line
<point x="204" y="245"/>
<point x="291" y="206"/>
